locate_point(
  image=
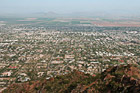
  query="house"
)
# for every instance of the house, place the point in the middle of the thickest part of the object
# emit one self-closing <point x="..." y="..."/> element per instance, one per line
<point x="7" y="73"/>
<point x="69" y="56"/>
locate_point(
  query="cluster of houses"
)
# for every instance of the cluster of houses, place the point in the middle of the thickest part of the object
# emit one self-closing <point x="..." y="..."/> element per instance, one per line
<point x="28" y="53"/>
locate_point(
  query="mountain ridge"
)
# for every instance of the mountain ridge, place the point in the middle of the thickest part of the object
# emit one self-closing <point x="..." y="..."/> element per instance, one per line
<point x="116" y="79"/>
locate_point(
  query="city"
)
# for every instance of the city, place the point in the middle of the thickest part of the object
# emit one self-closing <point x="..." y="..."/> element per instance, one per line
<point x="29" y="52"/>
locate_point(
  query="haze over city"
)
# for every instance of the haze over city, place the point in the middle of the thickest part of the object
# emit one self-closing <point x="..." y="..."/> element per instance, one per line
<point x="94" y="7"/>
<point x="69" y="46"/>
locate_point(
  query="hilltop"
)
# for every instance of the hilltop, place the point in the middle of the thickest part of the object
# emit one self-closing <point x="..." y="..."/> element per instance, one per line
<point x="116" y="79"/>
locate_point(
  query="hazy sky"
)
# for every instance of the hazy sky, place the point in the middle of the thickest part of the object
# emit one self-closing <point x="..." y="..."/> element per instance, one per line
<point x="68" y="6"/>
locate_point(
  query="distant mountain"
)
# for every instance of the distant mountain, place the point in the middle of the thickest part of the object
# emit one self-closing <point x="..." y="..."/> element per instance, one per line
<point x="118" y="79"/>
<point x="51" y="13"/>
<point x="46" y="14"/>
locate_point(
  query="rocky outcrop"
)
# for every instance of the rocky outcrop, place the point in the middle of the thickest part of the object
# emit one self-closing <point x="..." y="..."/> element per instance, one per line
<point x="124" y="79"/>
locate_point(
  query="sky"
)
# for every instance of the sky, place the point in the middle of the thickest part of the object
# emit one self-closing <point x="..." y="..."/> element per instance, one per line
<point x="69" y="6"/>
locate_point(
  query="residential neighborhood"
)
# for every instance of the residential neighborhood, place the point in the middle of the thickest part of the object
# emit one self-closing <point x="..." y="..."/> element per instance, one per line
<point x="30" y="52"/>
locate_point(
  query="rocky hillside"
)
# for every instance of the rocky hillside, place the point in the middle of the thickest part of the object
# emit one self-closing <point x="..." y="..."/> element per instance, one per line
<point x="125" y="79"/>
